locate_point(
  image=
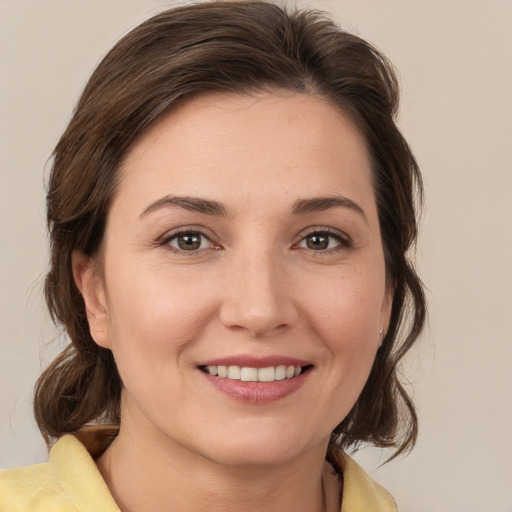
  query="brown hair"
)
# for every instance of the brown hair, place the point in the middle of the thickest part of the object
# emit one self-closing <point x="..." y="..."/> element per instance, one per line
<point x="225" y="47"/>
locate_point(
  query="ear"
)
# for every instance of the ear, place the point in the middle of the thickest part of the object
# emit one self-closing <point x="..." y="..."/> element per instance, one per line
<point x="91" y="286"/>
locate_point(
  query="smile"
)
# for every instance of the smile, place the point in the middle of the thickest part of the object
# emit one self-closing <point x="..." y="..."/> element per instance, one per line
<point x="248" y="374"/>
<point x="256" y="380"/>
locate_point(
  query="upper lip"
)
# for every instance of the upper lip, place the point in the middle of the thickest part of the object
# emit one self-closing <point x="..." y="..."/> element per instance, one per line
<point x="256" y="362"/>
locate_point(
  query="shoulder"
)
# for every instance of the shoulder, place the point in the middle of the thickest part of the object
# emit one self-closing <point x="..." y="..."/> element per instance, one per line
<point x="31" y="489"/>
<point x="69" y="482"/>
<point x="360" y="492"/>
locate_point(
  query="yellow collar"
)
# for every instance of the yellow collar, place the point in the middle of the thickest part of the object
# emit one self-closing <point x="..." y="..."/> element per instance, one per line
<point x="360" y="492"/>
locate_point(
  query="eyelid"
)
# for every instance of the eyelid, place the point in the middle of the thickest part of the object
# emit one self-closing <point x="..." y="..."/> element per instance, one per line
<point x="165" y="239"/>
<point x="345" y="240"/>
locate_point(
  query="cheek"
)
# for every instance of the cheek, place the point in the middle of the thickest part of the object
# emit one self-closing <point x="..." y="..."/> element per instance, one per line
<point x="154" y="317"/>
<point x="346" y="307"/>
<point x="346" y="316"/>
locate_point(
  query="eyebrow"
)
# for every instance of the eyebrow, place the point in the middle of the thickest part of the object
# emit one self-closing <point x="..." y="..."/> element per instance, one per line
<point x="320" y="204"/>
<point x="209" y="207"/>
<point x="193" y="204"/>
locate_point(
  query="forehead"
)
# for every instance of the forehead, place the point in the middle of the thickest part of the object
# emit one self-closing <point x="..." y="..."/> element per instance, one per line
<point x="245" y="147"/>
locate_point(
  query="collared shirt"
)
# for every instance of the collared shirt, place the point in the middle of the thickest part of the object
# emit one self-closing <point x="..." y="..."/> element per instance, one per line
<point x="71" y="482"/>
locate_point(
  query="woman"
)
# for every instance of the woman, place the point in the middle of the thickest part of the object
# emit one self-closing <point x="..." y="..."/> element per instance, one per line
<point x="230" y="211"/>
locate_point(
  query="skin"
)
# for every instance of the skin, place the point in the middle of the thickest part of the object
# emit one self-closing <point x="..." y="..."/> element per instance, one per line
<point x="257" y="285"/>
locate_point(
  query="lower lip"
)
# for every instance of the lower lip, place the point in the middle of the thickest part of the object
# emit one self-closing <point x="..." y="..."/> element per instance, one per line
<point x="257" y="392"/>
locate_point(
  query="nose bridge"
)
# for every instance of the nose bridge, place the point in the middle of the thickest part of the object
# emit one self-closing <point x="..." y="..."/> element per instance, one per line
<point x="257" y="297"/>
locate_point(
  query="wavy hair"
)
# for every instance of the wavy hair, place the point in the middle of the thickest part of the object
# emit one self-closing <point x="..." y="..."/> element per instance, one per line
<point x="226" y="47"/>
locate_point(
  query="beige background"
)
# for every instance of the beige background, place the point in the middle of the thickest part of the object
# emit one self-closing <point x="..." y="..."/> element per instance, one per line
<point x="455" y="62"/>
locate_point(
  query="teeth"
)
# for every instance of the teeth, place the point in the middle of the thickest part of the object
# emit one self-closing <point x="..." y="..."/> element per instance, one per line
<point x="246" y="374"/>
<point x="234" y="372"/>
<point x="267" y="374"/>
<point x="281" y="372"/>
<point x="249" y="374"/>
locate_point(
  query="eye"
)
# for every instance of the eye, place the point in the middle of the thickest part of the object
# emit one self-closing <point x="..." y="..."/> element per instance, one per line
<point x="188" y="241"/>
<point x="324" y="241"/>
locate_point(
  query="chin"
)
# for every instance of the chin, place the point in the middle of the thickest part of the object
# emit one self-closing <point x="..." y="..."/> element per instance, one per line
<point x="264" y="449"/>
<point x="266" y="456"/>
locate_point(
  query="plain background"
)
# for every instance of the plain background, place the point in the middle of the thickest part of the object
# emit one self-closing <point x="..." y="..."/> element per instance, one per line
<point x="455" y="63"/>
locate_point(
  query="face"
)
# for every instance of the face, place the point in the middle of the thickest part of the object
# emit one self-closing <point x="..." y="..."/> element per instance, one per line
<point x="242" y="283"/>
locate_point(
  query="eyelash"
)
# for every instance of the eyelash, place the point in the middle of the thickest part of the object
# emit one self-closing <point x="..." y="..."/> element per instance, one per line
<point x="344" y="242"/>
<point x="168" y="238"/>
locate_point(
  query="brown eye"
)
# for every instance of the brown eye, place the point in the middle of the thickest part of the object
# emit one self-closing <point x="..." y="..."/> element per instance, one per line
<point x="317" y="242"/>
<point x="188" y="241"/>
<point x="324" y="241"/>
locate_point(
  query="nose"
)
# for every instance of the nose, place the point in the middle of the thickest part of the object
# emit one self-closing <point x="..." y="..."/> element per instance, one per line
<point x="258" y="295"/>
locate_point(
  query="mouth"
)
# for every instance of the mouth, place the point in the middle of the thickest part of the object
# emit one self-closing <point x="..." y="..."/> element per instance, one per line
<point x="251" y="374"/>
<point x="256" y="380"/>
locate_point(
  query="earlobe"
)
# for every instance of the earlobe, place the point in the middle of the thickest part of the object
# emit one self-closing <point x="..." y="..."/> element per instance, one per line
<point x="90" y="284"/>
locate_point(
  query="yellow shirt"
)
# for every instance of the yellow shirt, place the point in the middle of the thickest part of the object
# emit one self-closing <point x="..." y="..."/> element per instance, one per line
<point x="71" y="482"/>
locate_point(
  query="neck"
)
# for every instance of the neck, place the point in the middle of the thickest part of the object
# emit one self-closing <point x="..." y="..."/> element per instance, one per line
<point x="145" y="473"/>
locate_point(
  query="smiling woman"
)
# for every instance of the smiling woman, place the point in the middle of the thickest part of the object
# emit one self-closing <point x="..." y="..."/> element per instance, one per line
<point x="261" y="291"/>
<point x="230" y="212"/>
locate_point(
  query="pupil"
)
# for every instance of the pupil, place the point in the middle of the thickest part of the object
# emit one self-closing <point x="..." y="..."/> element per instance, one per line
<point x="318" y="242"/>
<point x="189" y="242"/>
